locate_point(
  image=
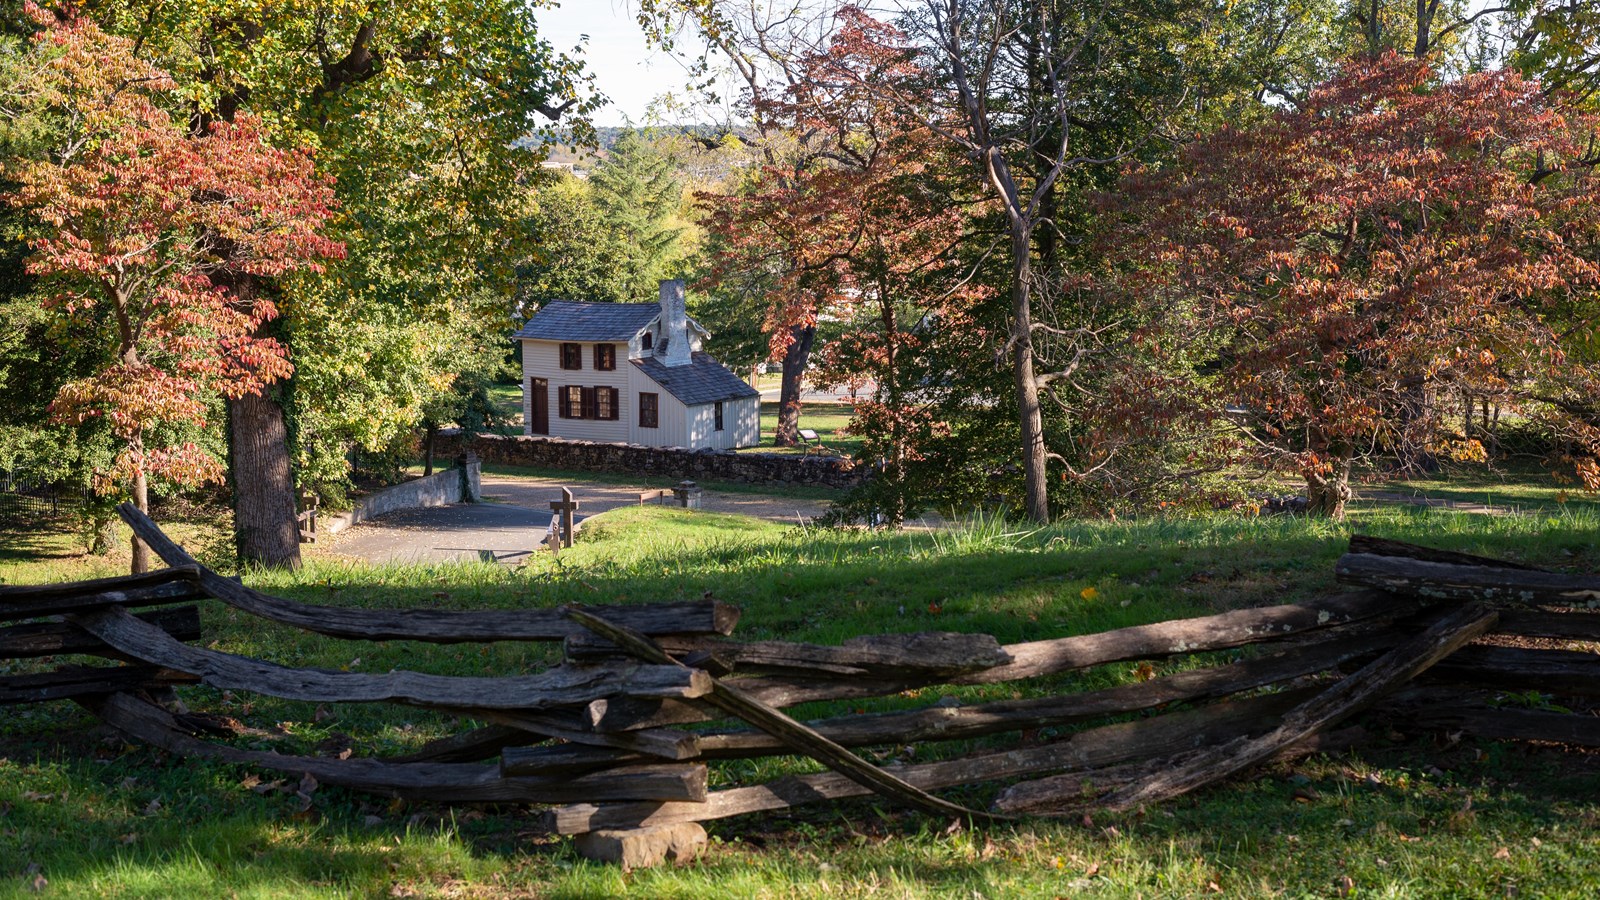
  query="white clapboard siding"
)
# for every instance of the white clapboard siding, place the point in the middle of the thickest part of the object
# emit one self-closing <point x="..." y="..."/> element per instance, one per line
<point x="542" y="359"/>
<point x="741" y="424"/>
<point x="673" y="430"/>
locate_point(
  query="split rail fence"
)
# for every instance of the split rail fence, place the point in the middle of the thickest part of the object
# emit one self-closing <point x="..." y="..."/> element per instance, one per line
<point x="619" y="734"/>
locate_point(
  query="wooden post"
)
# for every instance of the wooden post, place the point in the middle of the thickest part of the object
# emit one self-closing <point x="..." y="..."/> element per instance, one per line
<point x="565" y="507"/>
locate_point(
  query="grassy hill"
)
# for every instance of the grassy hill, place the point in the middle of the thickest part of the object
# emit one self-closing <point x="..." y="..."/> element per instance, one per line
<point x="95" y="816"/>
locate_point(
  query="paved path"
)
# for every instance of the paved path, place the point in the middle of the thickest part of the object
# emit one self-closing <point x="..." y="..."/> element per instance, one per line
<point x="515" y="517"/>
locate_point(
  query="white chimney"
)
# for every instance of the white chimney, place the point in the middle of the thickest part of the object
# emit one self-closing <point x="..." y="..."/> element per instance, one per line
<point x="674" y="324"/>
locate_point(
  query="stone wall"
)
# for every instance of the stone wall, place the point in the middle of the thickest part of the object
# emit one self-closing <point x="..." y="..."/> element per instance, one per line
<point x="634" y="459"/>
<point x="439" y="489"/>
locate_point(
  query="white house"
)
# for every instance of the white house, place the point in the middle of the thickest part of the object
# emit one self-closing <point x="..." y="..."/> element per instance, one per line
<point x="633" y="373"/>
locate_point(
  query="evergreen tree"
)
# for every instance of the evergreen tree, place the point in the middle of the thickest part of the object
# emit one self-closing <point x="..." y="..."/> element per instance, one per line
<point x="610" y="238"/>
<point x="638" y="195"/>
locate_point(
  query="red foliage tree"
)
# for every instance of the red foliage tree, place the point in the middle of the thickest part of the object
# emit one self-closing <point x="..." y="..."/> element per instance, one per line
<point x="859" y="228"/>
<point x="854" y="216"/>
<point x="1394" y="239"/>
<point x="139" y="225"/>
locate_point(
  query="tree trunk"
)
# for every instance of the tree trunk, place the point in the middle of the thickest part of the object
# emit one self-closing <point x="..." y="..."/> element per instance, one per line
<point x="102" y="532"/>
<point x="141" y="499"/>
<point x="888" y="389"/>
<point x="795" y="358"/>
<point x="429" y="432"/>
<point x="1327" y="495"/>
<point x="264" y="526"/>
<point x="1029" y="415"/>
<point x="1424" y="41"/>
<point x="1417" y="426"/>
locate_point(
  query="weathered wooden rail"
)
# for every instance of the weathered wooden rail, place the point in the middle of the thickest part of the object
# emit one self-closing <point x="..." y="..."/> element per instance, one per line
<point x="602" y="739"/>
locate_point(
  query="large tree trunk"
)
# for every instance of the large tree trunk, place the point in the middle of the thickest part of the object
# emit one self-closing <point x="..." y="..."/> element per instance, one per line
<point x="795" y="358"/>
<point x="264" y="527"/>
<point x="1328" y="494"/>
<point x="1029" y="415"/>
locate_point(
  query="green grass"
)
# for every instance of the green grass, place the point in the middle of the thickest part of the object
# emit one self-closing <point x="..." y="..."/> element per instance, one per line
<point x="828" y="420"/>
<point x="1523" y="488"/>
<point x="77" y="805"/>
<point x="507" y="400"/>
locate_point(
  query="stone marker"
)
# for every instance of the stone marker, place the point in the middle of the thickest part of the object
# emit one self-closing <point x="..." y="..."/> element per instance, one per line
<point x="688" y="494"/>
<point x="641" y="848"/>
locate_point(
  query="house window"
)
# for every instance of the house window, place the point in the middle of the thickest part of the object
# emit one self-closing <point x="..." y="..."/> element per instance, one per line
<point x="646" y="342"/>
<point x="588" y="402"/>
<point x="649" y="410"/>
<point x="572" y="406"/>
<point x="605" y="357"/>
<point x="716" y="415"/>
<point x="572" y="356"/>
<point x="605" y="402"/>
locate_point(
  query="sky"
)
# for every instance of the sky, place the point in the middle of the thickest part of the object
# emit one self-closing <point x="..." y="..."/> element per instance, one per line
<point x="626" y="69"/>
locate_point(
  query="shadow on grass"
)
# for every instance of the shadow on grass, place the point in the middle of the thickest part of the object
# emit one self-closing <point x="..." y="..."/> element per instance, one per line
<point x="210" y="834"/>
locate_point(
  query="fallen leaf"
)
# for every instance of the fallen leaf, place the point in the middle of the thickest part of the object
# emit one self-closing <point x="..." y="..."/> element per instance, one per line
<point x="1346" y="886"/>
<point x="1503" y="853"/>
<point x="36" y="797"/>
<point x="153" y="807"/>
<point x="1089" y="593"/>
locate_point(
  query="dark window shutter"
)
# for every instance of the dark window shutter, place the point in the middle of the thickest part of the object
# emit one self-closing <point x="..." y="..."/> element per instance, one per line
<point x="561" y="403"/>
<point x="572" y="356"/>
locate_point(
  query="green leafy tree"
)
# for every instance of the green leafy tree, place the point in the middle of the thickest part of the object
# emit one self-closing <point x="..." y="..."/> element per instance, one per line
<point x="418" y="109"/>
<point x="139" y="226"/>
<point x="611" y="237"/>
<point x="639" y="197"/>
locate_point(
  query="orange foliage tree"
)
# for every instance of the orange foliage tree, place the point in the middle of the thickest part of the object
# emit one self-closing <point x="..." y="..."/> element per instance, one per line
<point x="864" y="229"/>
<point x="137" y="226"/>
<point x="1394" y="238"/>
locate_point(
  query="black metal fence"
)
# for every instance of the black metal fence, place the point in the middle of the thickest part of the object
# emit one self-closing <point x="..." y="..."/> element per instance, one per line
<point x="23" y="500"/>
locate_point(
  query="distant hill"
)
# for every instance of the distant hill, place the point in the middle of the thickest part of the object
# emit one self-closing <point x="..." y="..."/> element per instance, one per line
<point x="608" y="136"/>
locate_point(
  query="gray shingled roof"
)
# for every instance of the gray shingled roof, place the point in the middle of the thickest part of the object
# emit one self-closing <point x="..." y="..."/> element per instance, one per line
<point x="570" y="320"/>
<point x="703" y="380"/>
